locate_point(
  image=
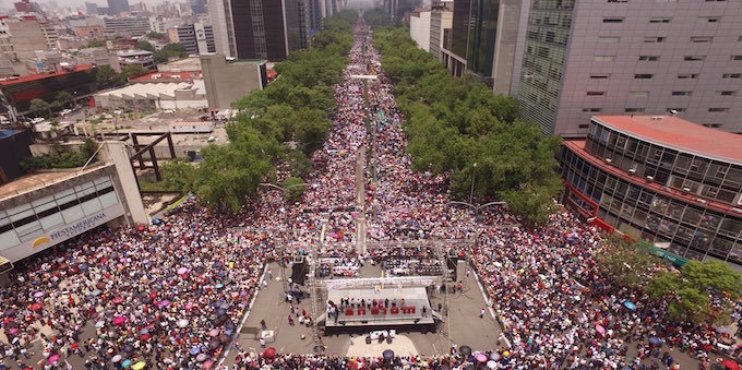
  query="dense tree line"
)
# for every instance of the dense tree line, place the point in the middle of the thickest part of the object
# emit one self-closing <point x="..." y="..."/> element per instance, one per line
<point x="282" y="124"/>
<point x="459" y="127"/>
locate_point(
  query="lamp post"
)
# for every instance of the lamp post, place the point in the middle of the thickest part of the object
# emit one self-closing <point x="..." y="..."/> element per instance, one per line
<point x="473" y="178"/>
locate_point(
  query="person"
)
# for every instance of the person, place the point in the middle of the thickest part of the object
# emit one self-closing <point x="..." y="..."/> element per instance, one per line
<point x="262" y="341"/>
<point x="263" y="326"/>
<point x="481" y="313"/>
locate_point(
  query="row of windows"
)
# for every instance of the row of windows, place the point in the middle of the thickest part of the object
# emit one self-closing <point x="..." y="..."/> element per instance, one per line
<point x="688" y="58"/>
<point x="680" y="76"/>
<point x="645" y="93"/>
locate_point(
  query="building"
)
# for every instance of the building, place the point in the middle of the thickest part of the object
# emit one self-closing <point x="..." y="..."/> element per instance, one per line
<point x="198" y="6"/>
<point x="229" y="80"/>
<point x="484" y="40"/>
<point x="260" y="29"/>
<point x="197" y="38"/>
<point x="441" y="19"/>
<point x="155" y="95"/>
<point x="28" y="35"/>
<point x="660" y="178"/>
<point x="98" y="57"/>
<point x="420" y="29"/>
<point x="116" y="7"/>
<point x="14" y="147"/>
<point x="126" y="26"/>
<point x="136" y="57"/>
<point x="79" y="80"/>
<point x="90" y="27"/>
<point x="581" y="59"/>
<point x="91" y="8"/>
<point x="41" y="210"/>
<point x="26" y="6"/>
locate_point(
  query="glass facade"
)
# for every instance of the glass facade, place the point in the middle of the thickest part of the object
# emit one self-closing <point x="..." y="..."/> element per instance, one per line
<point x="460" y="28"/>
<point x="482" y="34"/>
<point x="651" y="192"/>
<point x="258" y="29"/>
<point x="547" y="35"/>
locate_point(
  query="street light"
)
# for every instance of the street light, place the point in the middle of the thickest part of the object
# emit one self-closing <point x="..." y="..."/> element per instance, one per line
<point x="473" y="178"/>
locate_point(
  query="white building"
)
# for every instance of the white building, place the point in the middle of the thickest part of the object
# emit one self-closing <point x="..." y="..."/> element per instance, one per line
<point x="154" y="95"/>
<point x="441" y="18"/>
<point x="420" y="29"/>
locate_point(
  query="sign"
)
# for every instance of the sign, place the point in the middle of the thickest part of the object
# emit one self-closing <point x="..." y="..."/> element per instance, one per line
<point x="62" y="233"/>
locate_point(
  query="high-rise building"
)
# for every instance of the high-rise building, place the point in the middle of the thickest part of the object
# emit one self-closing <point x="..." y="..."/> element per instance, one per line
<point x="127" y="26"/>
<point x="260" y="29"/>
<point x="197" y="38"/>
<point x="198" y="6"/>
<point x="441" y="18"/>
<point x="91" y="8"/>
<point x="420" y="28"/>
<point x="116" y="7"/>
<point x="26" y="6"/>
<point x="626" y="57"/>
<point x="484" y="40"/>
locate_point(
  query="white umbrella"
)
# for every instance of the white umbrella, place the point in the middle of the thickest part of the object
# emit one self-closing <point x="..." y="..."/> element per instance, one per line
<point x="182" y="323"/>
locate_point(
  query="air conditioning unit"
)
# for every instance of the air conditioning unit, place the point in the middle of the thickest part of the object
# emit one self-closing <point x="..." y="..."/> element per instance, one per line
<point x="687" y="190"/>
<point x="632" y="170"/>
<point x="702" y="201"/>
<point x="657" y="118"/>
<point x="737" y="210"/>
<point x="608" y="160"/>
<point x="650" y="178"/>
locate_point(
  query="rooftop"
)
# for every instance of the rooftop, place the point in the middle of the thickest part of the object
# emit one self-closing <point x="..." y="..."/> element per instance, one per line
<point x="41" y="76"/>
<point x="40" y="180"/>
<point x="160" y="76"/>
<point x="679" y="134"/>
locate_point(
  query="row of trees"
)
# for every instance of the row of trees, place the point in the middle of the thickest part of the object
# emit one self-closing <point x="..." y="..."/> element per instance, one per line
<point x="282" y="124"/>
<point x="701" y="292"/>
<point x="171" y="50"/>
<point x="459" y="127"/>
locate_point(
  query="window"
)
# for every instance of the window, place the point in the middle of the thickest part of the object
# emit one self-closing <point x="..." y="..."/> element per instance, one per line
<point x="682" y="93"/>
<point x="600" y="76"/>
<point x="592" y="110"/>
<point x="676" y="110"/>
<point x="694" y="58"/>
<point x="709" y="19"/>
<point x="712" y="125"/>
<point x="582" y="126"/>
<point x="736" y="57"/>
<point x="609" y="39"/>
<point x="603" y="58"/>
<point x="643" y="76"/>
<point x="727" y="92"/>
<point x="701" y="39"/>
<point x="634" y="110"/>
<point x="595" y="93"/>
<point x="639" y="94"/>
<point x="618" y="1"/>
<point x="731" y="75"/>
<point x="613" y="20"/>
<point x="659" y="20"/>
<point x="683" y="76"/>
<point x="650" y="40"/>
<point x="718" y="110"/>
<point x="648" y="58"/>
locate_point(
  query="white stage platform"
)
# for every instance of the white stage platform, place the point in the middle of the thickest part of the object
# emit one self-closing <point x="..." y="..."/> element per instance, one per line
<point x="415" y="310"/>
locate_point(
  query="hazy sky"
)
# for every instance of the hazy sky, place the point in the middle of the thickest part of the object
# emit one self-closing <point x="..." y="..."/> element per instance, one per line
<point x="7" y="4"/>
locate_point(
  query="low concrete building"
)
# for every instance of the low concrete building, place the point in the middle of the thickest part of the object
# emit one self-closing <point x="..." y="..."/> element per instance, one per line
<point x="228" y="80"/>
<point x="141" y="57"/>
<point x="166" y="96"/>
<point x="420" y="29"/>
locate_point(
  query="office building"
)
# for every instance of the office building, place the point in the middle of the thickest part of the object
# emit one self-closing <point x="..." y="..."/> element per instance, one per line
<point x="91" y="8"/>
<point x="229" y="80"/>
<point x="420" y="29"/>
<point x="26" y="6"/>
<point x="196" y="38"/>
<point x="260" y="29"/>
<point x="485" y="38"/>
<point x="441" y="19"/>
<point x="624" y="57"/>
<point x="29" y="35"/>
<point x="126" y="26"/>
<point x="116" y="7"/>
<point x="198" y="6"/>
<point x="659" y="178"/>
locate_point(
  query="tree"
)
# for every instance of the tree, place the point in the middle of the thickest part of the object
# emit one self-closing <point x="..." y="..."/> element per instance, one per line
<point x="702" y="291"/>
<point x="106" y="76"/>
<point x="294" y="187"/>
<point x="145" y="45"/>
<point x="94" y="44"/>
<point x="62" y="99"/>
<point x="131" y="71"/>
<point x="156" y="35"/>
<point x="179" y="175"/>
<point x="39" y="107"/>
<point x="627" y="263"/>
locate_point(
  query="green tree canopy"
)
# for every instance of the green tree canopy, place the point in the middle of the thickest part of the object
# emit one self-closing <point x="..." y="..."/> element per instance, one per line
<point x="39" y="106"/>
<point x="293" y="187"/>
<point x="179" y="175"/>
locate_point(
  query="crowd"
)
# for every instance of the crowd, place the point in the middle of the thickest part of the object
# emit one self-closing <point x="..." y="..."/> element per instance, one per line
<point x="172" y="295"/>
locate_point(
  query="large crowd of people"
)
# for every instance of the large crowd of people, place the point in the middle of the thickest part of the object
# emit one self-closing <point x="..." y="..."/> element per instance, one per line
<point x="172" y="295"/>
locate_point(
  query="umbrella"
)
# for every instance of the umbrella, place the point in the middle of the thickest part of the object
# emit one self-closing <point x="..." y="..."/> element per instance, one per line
<point x="465" y="350"/>
<point x="201" y="357"/>
<point x="655" y="341"/>
<point x="96" y="293"/>
<point x="145" y="337"/>
<point x="9" y="313"/>
<point x="730" y="364"/>
<point x="36" y="306"/>
<point x="140" y="228"/>
<point x="156" y="221"/>
<point x="39" y="294"/>
<point x="118" y="300"/>
<point x="600" y="329"/>
<point x="100" y="324"/>
<point x="219" y="286"/>
<point x="269" y="352"/>
<point x="53" y="359"/>
<point x="481" y="357"/>
<point x="182" y="270"/>
<point x="214" y="332"/>
<point x="13" y="331"/>
<point x="119" y="320"/>
<point x="195" y="351"/>
<point x="388" y="355"/>
<point x="207" y="365"/>
<point x="84" y="267"/>
<point x="214" y="344"/>
<point x="182" y="323"/>
<point x="116" y="358"/>
<point x="139" y="365"/>
<point x="126" y="363"/>
<point x="491" y="364"/>
<point x="164" y="303"/>
<point x="630" y="305"/>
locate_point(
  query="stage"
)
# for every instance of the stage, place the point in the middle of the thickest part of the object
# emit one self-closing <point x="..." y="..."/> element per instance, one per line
<point x="379" y="307"/>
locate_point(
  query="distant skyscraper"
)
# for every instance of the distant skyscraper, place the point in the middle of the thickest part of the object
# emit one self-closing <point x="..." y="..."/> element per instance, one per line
<point x="260" y="29"/>
<point x="115" y="7"/>
<point x="26" y="6"/>
<point x="196" y="38"/>
<point x="91" y="8"/>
